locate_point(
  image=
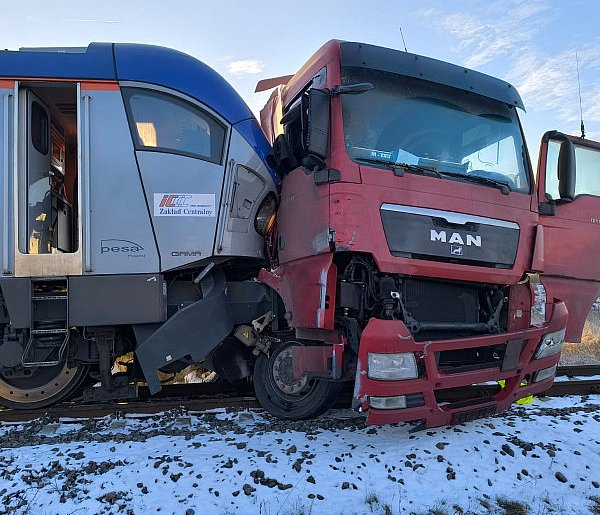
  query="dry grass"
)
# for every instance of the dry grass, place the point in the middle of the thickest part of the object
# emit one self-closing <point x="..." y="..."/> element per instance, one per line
<point x="511" y="507"/>
<point x="588" y="351"/>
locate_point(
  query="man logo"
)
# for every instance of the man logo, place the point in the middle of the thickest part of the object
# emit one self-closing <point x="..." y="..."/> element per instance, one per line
<point x="456" y="250"/>
<point x="455" y="237"/>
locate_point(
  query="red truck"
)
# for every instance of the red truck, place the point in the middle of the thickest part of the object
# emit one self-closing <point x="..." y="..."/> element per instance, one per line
<point x="408" y="231"/>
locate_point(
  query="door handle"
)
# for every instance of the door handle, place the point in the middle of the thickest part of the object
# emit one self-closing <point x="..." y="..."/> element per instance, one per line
<point x="85" y="176"/>
<point x="224" y="210"/>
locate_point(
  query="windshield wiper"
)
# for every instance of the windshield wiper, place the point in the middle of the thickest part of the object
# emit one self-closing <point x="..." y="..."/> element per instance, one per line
<point x="400" y="168"/>
<point x="420" y="169"/>
<point x="501" y="185"/>
<point x="390" y="165"/>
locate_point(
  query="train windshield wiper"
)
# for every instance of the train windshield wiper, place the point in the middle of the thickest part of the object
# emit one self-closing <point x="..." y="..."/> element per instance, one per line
<point x="501" y="185"/>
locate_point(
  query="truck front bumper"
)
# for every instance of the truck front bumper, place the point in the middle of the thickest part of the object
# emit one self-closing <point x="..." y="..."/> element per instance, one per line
<point x="426" y="398"/>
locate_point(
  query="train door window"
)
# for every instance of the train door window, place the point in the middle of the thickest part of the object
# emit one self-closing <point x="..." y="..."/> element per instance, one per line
<point x="164" y="123"/>
<point x="39" y="128"/>
<point x="49" y="153"/>
<point x="248" y="186"/>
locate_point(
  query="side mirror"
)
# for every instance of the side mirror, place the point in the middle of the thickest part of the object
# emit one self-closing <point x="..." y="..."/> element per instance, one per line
<point x="559" y="168"/>
<point x="566" y="170"/>
<point x="315" y="122"/>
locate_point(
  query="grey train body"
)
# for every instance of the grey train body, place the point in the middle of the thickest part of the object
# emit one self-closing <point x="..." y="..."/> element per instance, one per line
<point x="128" y="224"/>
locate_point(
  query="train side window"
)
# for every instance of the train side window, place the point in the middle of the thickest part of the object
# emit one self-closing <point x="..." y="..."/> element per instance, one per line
<point x="164" y="123"/>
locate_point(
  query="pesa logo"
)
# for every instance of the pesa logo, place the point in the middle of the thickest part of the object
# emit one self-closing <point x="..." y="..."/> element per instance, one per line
<point x="130" y="248"/>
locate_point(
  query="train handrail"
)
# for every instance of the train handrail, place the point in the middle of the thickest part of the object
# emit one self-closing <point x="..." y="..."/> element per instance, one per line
<point x="5" y="182"/>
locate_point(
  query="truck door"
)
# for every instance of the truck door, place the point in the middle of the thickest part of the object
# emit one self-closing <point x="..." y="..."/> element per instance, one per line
<point x="568" y="241"/>
<point x="180" y="149"/>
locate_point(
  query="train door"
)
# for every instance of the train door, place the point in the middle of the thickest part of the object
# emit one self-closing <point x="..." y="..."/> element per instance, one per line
<point x="569" y="193"/>
<point x="181" y="152"/>
<point x="249" y="188"/>
<point x="47" y="211"/>
<point x="38" y="226"/>
<point x="6" y="174"/>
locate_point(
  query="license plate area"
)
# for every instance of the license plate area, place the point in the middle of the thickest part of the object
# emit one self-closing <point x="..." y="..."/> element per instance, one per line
<point x="467" y="416"/>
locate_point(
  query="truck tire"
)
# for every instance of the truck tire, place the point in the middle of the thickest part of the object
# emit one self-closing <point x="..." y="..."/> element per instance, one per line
<point x="282" y="396"/>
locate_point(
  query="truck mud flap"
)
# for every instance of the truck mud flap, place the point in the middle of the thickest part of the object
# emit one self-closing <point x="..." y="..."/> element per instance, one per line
<point x="193" y="331"/>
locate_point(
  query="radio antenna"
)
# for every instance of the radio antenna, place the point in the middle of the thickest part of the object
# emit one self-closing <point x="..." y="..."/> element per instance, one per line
<point x="403" y="42"/>
<point x="580" y="107"/>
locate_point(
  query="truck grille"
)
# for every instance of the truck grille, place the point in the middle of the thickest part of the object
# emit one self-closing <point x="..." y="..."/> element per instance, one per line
<point x="437" y="235"/>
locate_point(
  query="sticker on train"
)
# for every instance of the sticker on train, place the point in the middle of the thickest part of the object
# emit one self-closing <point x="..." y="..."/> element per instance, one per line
<point x="184" y="204"/>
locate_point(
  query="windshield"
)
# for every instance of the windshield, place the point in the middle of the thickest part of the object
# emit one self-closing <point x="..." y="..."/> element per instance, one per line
<point x="423" y="124"/>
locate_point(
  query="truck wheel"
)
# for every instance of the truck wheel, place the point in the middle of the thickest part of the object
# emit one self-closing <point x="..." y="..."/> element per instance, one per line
<point x="45" y="387"/>
<point x="284" y="397"/>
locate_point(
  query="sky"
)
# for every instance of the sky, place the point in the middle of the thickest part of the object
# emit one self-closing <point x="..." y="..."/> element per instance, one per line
<point x="530" y="43"/>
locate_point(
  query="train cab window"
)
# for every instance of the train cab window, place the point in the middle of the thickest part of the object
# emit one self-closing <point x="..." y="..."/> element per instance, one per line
<point x="161" y="122"/>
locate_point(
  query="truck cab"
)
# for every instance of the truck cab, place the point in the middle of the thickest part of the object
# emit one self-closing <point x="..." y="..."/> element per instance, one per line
<point x="410" y="230"/>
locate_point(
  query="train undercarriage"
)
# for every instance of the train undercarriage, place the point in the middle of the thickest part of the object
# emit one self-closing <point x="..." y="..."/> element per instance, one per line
<point x="295" y="376"/>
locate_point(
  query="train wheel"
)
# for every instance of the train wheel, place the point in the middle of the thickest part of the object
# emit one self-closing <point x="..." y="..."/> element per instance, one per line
<point x="45" y="386"/>
<point x="284" y="397"/>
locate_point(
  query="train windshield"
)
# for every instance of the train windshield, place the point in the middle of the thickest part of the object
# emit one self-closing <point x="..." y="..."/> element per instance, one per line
<point x="433" y="129"/>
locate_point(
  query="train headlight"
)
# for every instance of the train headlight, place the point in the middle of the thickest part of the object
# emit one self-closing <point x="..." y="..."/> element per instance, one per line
<point x="392" y="366"/>
<point x="266" y="214"/>
<point x="550" y="344"/>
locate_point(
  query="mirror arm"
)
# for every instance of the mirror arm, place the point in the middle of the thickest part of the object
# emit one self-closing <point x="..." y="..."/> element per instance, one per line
<point x="350" y="89"/>
<point x="547" y="208"/>
<point x="327" y="176"/>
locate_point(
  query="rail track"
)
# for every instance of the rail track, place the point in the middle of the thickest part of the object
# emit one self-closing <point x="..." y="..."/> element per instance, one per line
<point x="198" y="397"/>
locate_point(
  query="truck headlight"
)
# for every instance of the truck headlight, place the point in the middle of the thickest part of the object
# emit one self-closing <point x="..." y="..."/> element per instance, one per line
<point x="392" y="366"/>
<point x="265" y="216"/>
<point x="550" y="344"/>
<point x="412" y="400"/>
<point x="396" y="402"/>
<point x="544" y="374"/>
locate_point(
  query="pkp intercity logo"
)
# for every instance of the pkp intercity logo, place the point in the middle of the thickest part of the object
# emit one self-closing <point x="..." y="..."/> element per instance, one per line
<point x="184" y="204"/>
<point x="174" y="200"/>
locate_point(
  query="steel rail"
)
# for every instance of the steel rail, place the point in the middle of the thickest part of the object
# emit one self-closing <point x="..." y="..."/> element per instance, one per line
<point x="203" y="396"/>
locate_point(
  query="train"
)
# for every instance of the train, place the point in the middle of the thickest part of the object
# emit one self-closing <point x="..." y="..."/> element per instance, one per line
<point x="381" y="226"/>
<point x="135" y="199"/>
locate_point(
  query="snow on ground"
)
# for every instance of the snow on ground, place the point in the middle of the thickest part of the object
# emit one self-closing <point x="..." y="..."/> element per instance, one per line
<point x="537" y="459"/>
